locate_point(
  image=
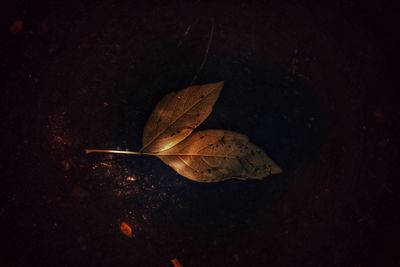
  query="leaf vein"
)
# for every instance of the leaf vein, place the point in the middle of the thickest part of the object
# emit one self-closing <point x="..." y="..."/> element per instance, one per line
<point x="174" y="121"/>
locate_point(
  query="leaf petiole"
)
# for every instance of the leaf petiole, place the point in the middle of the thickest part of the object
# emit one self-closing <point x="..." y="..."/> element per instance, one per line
<point x="88" y="151"/>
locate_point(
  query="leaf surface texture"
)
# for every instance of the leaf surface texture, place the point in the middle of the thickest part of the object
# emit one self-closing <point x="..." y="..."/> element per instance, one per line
<point x="217" y="155"/>
<point x="177" y="115"/>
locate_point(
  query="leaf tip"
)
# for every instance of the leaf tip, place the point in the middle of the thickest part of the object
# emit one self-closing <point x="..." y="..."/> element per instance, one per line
<point x="276" y="169"/>
<point x="220" y="84"/>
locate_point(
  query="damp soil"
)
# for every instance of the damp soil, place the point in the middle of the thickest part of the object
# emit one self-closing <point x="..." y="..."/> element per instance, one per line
<point x="309" y="83"/>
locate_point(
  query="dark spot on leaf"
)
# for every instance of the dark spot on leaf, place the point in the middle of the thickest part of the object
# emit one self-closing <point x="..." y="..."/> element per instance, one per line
<point x="249" y="162"/>
<point x="222" y="140"/>
<point x="208" y="170"/>
<point x="201" y="137"/>
<point x="202" y="96"/>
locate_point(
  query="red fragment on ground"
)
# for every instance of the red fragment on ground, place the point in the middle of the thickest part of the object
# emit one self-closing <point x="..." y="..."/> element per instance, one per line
<point x="378" y="116"/>
<point x="44" y="28"/>
<point x="126" y="229"/>
<point x="176" y="263"/>
<point x="16" y="26"/>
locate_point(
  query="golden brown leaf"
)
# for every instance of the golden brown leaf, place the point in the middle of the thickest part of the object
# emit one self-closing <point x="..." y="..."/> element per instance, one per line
<point x="177" y="114"/>
<point x="204" y="156"/>
<point x="217" y="155"/>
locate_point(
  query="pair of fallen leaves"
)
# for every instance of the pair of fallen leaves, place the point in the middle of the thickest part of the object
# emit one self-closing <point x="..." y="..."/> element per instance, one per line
<point x="202" y="156"/>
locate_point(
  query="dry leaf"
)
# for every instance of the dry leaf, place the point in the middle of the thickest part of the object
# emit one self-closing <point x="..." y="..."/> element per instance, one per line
<point x="204" y="156"/>
<point x="217" y="155"/>
<point x="177" y="114"/>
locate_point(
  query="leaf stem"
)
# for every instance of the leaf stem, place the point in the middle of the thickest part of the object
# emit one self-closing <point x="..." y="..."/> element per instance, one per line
<point x="88" y="151"/>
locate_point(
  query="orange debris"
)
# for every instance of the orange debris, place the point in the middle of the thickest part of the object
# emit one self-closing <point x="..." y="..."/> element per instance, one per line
<point x="176" y="263"/>
<point x="44" y="28"/>
<point x="126" y="229"/>
<point x="16" y="26"/>
<point x="378" y="116"/>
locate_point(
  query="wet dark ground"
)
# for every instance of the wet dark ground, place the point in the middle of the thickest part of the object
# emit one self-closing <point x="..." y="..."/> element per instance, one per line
<point x="313" y="84"/>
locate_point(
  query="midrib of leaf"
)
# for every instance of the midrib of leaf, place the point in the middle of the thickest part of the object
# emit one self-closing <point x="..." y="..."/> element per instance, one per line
<point x="194" y="155"/>
<point x="174" y="121"/>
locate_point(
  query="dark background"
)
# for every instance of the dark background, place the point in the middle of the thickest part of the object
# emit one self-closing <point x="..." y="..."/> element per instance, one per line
<point x="311" y="83"/>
